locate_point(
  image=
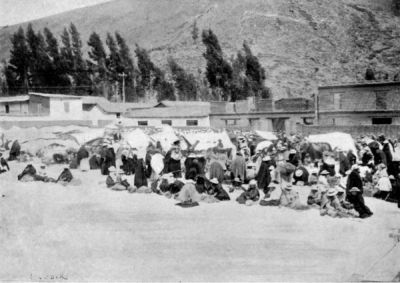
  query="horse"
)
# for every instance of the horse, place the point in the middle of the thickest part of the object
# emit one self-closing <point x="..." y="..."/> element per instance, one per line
<point x="315" y="150"/>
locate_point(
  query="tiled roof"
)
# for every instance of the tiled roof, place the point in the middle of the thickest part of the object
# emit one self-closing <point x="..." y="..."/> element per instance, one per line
<point x="53" y="95"/>
<point x="17" y="98"/>
<point x="170" y="112"/>
<point x="113" y="107"/>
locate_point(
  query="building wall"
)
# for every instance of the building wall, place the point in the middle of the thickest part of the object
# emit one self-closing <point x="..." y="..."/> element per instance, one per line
<point x="176" y="122"/>
<point x="39" y="105"/>
<point x="96" y="114"/>
<point x="66" y="109"/>
<point x="19" y="107"/>
<point x="264" y="122"/>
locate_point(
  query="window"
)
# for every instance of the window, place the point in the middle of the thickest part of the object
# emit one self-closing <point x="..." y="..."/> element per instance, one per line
<point x="336" y="100"/>
<point x="66" y="107"/>
<point x="192" y="122"/>
<point x="230" y="122"/>
<point x="166" y="122"/>
<point x="118" y="115"/>
<point x="381" y="121"/>
<point x="142" y="123"/>
<point x="7" y="108"/>
<point x="308" y="121"/>
<point x="381" y="100"/>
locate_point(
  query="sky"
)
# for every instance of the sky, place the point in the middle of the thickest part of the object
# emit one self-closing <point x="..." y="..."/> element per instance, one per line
<point x="18" y="11"/>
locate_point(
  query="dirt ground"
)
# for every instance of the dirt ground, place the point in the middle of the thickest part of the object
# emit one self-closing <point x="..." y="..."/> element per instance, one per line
<point x="88" y="233"/>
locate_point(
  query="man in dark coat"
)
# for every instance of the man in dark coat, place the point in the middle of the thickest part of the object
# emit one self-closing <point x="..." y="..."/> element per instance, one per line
<point x="354" y="180"/>
<point x="264" y="174"/>
<point x="379" y="156"/>
<point x="15" y="151"/>
<point x="389" y="157"/>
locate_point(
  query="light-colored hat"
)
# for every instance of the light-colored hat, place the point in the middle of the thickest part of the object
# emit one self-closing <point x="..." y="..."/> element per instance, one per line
<point x="112" y="169"/>
<point x="271" y="168"/>
<point x="292" y="151"/>
<point x="355" y="167"/>
<point x="385" y="142"/>
<point x="314" y="188"/>
<point x="298" y="173"/>
<point x="340" y="190"/>
<point x="237" y="180"/>
<point x="253" y="182"/>
<point x="266" y="158"/>
<point x="331" y="192"/>
<point x="355" y="189"/>
<point x="214" y="181"/>
<point x="324" y="172"/>
<point x="330" y="161"/>
<point x="192" y="155"/>
<point x="391" y="177"/>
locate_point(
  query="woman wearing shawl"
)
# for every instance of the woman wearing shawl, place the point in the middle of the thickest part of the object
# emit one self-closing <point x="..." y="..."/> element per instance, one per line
<point x="238" y="167"/>
<point x="172" y="161"/>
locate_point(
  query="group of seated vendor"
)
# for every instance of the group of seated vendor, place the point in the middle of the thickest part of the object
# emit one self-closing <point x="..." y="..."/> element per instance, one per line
<point x="30" y="174"/>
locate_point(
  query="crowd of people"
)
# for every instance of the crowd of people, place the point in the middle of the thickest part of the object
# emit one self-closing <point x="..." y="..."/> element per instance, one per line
<point x="338" y="178"/>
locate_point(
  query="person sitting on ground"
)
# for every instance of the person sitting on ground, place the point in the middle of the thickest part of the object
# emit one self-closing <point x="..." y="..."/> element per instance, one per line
<point x="66" y="178"/>
<point x="188" y="195"/>
<point x="341" y="195"/>
<point x="3" y="164"/>
<point x="115" y="181"/>
<point x="332" y="206"/>
<point x="314" y="198"/>
<point x="217" y="191"/>
<point x="291" y="199"/>
<point x="251" y="195"/>
<point x="201" y="185"/>
<point x="356" y="199"/>
<point x="15" y="151"/>
<point x="95" y="162"/>
<point x="236" y="185"/>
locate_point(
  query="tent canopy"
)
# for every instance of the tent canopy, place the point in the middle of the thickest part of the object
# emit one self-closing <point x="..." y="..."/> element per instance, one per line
<point x="336" y="139"/>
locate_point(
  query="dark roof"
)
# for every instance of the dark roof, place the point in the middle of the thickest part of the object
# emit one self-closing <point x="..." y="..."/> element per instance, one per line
<point x="360" y="85"/>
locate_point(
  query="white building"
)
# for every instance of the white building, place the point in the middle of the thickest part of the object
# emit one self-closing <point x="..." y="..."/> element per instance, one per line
<point x="176" y="114"/>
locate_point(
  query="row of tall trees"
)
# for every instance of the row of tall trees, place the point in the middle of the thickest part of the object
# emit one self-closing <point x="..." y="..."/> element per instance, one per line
<point x="39" y="62"/>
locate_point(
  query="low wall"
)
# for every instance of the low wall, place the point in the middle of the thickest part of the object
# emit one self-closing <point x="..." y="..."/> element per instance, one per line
<point x="46" y="123"/>
<point x="392" y="131"/>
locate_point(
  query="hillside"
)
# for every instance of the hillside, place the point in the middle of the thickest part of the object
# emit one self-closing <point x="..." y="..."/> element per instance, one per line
<point x="301" y="43"/>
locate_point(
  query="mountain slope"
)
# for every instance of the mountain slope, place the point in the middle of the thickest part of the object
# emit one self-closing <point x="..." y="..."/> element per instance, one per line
<point x="301" y="43"/>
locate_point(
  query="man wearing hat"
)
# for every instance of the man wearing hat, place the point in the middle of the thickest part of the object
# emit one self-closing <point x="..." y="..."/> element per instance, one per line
<point x="356" y="199"/>
<point x="250" y="195"/>
<point x="217" y="191"/>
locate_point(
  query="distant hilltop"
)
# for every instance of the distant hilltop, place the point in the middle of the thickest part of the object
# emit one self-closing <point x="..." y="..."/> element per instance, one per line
<point x="300" y="43"/>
